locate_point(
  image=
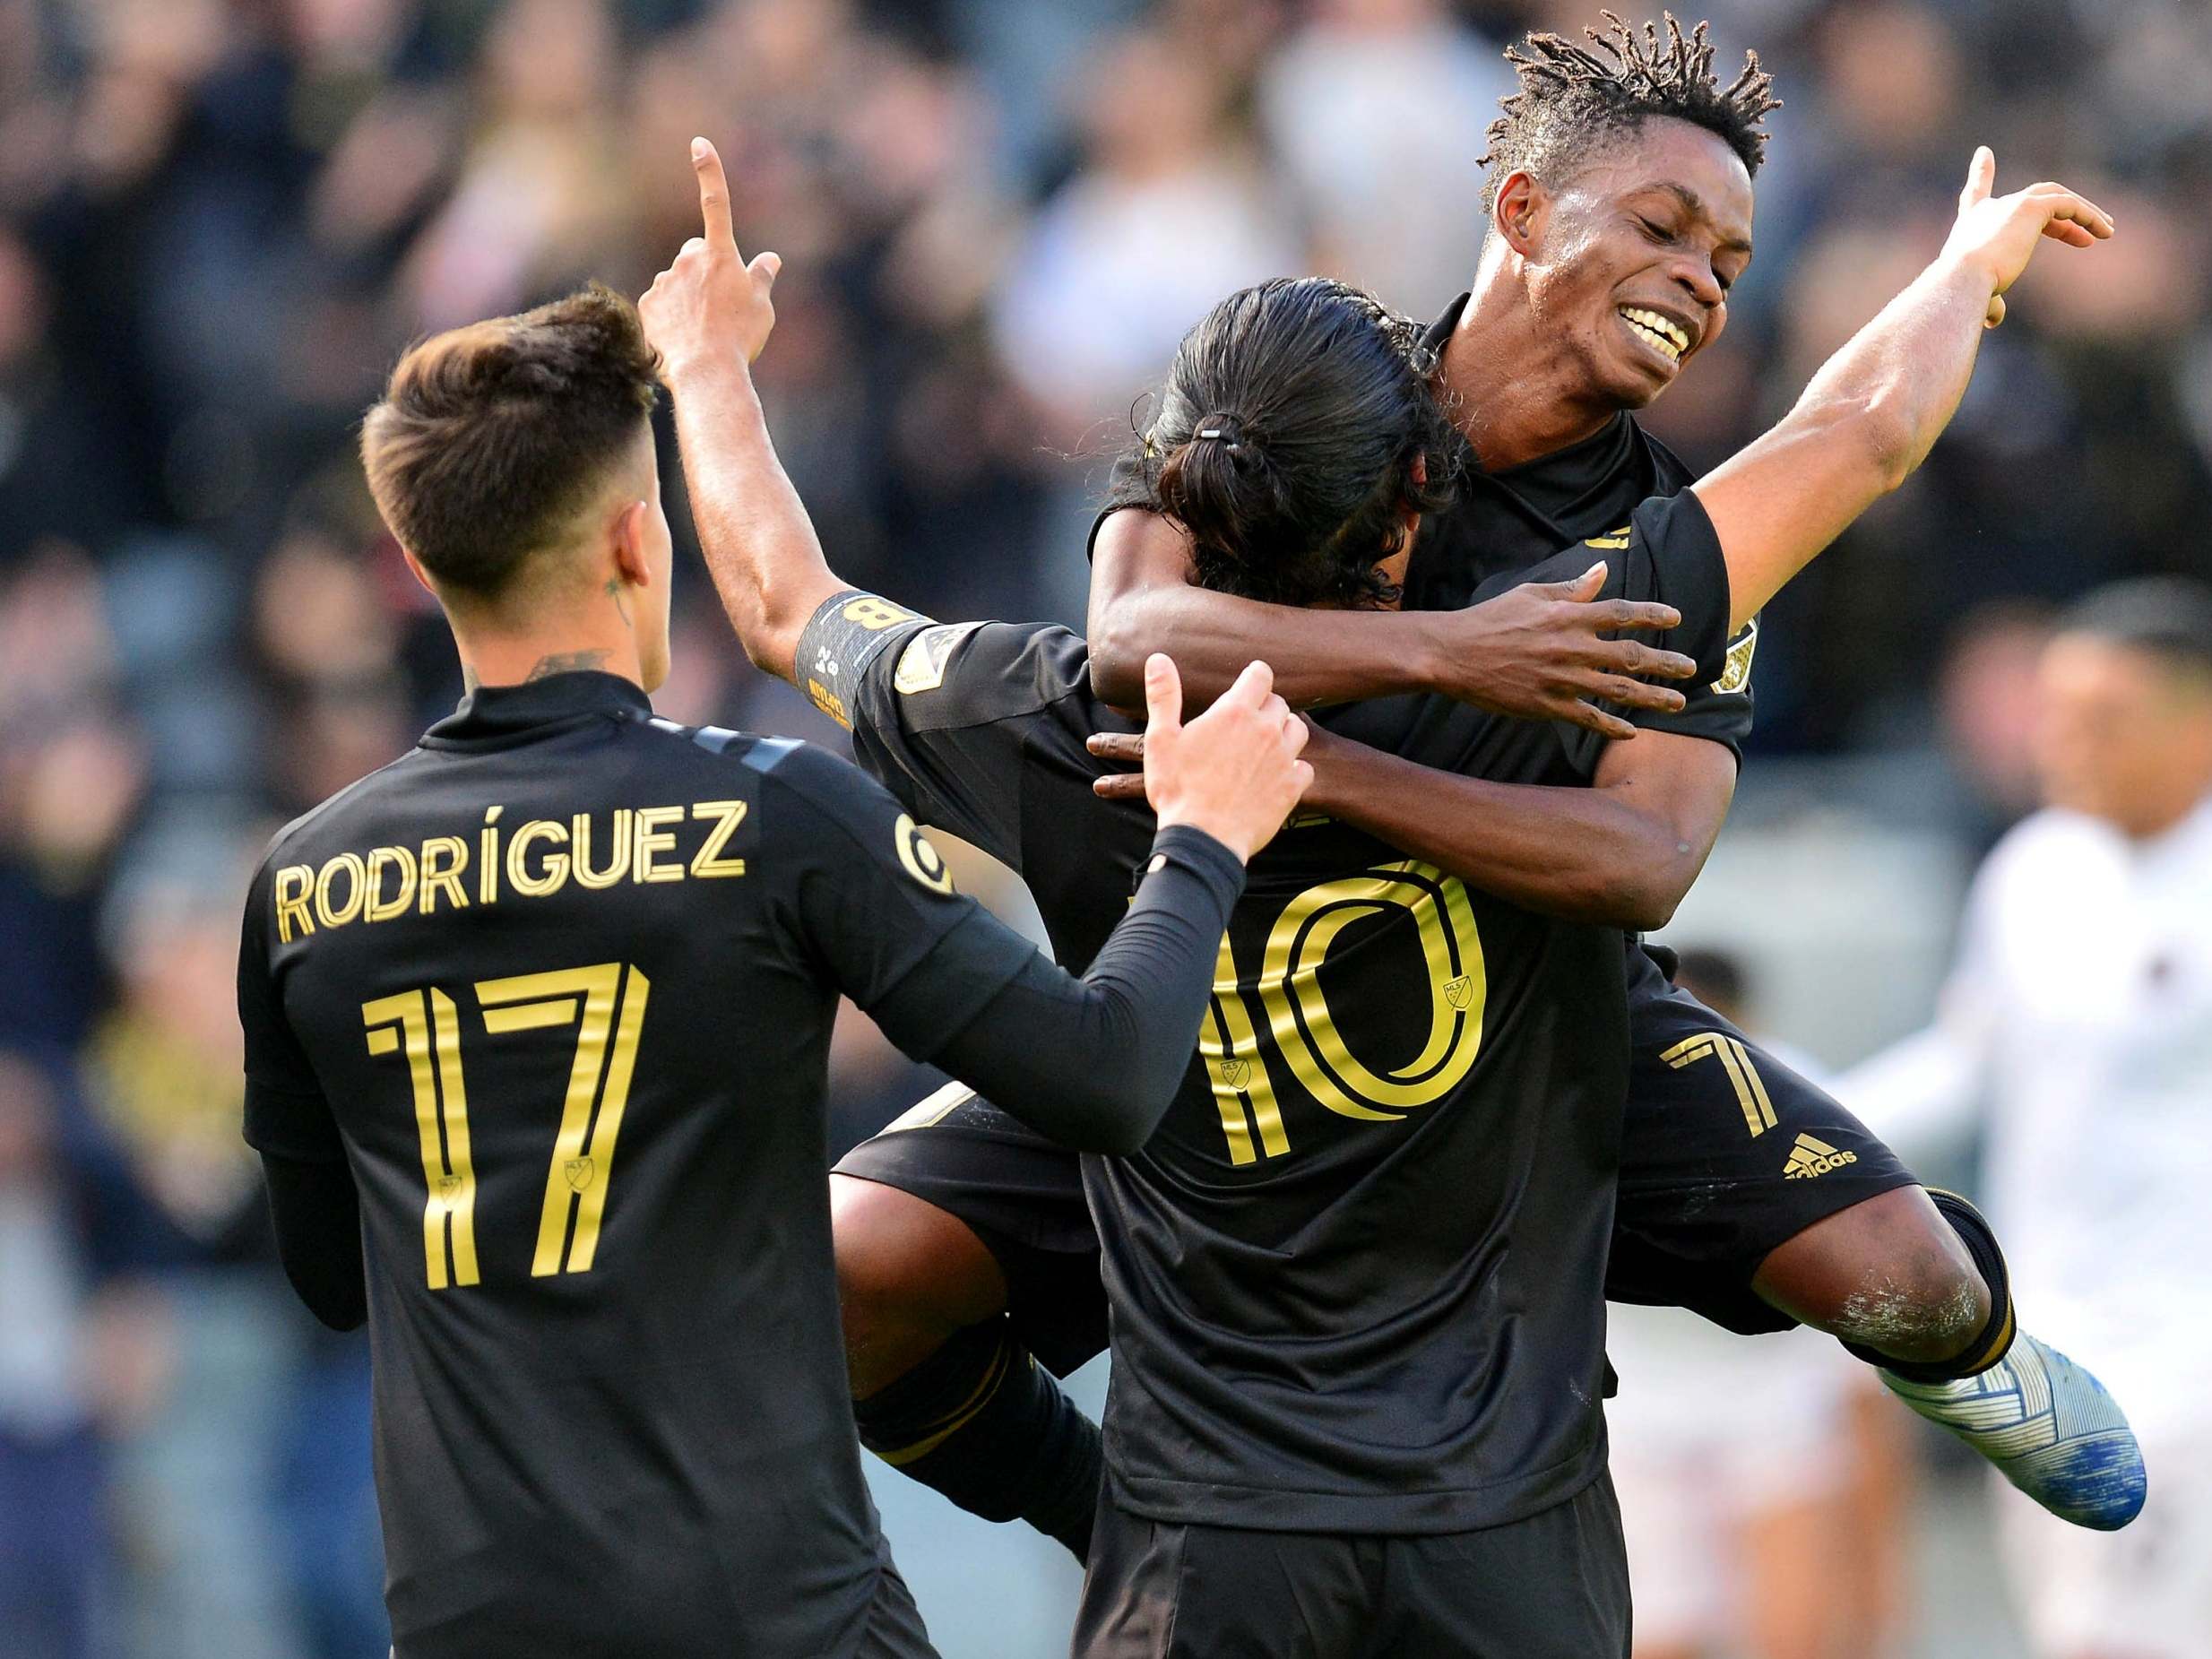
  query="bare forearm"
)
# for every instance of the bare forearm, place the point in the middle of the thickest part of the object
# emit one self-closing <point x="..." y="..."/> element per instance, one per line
<point x="1317" y="656"/>
<point x="1141" y="601"/>
<point x="1865" y="421"/>
<point x="1586" y="854"/>
<point x="1901" y="377"/>
<point x="760" y="547"/>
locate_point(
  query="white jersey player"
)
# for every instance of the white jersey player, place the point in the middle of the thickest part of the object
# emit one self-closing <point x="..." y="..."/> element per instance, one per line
<point x="2076" y="1030"/>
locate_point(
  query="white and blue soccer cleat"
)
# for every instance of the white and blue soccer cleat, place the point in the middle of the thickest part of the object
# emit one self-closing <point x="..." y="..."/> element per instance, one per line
<point x="2049" y="1426"/>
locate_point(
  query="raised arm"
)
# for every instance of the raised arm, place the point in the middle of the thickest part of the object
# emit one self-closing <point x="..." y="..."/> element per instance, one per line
<point x="1872" y="414"/>
<point x="709" y="315"/>
<point x="1535" y="650"/>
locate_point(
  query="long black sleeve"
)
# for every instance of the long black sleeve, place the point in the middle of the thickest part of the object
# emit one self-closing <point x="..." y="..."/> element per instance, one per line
<point x="1095" y="1062"/>
<point x="317" y="1217"/>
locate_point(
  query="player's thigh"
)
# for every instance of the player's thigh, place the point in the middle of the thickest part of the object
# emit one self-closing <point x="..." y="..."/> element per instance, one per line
<point x="1552" y="1586"/>
<point x="1162" y="1590"/>
<point x="1727" y="1153"/>
<point x="1005" y="1201"/>
<point x="909" y="1275"/>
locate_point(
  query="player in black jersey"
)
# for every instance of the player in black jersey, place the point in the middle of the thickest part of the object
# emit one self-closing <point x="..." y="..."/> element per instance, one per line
<point x="536" y="1020"/>
<point x="1539" y="367"/>
<point x="1355" y="1276"/>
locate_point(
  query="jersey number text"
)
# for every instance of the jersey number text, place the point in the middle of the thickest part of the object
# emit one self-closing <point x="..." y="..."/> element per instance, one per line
<point x="606" y="1004"/>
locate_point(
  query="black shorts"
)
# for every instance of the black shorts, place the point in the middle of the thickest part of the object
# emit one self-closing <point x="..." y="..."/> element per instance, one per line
<point x="1726" y="1153"/>
<point x="1552" y="1586"/>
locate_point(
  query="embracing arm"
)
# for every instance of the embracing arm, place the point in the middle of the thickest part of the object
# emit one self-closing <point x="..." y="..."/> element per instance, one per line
<point x="1534" y="650"/>
<point x="1872" y="414"/>
<point x="708" y="316"/>
<point x="1622" y="852"/>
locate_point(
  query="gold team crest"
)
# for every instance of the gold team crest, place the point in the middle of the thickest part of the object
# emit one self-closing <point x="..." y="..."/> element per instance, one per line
<point x="922" y="665"/>
<point x="1736" y="674"/>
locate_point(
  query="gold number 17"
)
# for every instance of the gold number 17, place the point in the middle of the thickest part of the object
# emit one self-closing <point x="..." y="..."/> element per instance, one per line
<point x="606" y="1003"/>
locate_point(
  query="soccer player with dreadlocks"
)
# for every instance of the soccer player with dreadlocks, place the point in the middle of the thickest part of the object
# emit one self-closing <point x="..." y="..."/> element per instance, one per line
<point x="1620" y="202"/>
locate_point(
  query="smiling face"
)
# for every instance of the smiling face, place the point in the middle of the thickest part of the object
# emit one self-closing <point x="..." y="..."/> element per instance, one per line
<point x="1629" y="260"/>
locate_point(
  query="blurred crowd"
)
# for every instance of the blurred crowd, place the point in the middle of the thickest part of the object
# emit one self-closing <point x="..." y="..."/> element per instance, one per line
<point x="221" y="220"/>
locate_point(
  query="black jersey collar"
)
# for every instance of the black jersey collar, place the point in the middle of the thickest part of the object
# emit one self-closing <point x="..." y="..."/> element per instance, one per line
<point x="1550" y="488"/>
<point x="492" y="713"/>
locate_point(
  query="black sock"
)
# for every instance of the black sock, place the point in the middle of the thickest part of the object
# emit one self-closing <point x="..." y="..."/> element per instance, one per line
<point x="1994" y="1340"/>
<point x="983" y="1422"/>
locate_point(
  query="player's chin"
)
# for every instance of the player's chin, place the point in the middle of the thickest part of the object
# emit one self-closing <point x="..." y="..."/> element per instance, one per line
<point x="1642" y="373"/>
<point x="1634" y="386"/>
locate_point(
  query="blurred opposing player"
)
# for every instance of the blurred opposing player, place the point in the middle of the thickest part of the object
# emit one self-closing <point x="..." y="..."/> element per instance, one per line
<point x="535" y="1024"/>
<point x="1761" y="1498"/>
<point x="2076" y="1029"/>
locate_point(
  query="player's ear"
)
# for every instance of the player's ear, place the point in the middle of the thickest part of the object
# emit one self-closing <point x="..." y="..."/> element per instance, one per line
<point x="632" y="551"/>
<point x="1519" y="212"/>
<point x="414" y="565"/>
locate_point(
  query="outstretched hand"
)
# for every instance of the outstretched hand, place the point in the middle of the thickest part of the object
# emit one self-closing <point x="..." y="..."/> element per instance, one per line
<point x="1999" y="235"/>
<point x="710" y="306"/>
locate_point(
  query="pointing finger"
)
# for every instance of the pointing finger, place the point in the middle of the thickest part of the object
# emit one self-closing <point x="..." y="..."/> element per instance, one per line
<point x="713" y="194"/>
<point x="1980" y="178"/>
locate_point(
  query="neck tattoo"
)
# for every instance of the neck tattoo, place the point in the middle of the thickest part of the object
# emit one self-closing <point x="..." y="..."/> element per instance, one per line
<point x="566" y="663"/>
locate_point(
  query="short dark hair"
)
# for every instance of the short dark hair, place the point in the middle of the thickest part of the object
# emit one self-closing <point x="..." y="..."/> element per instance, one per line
<point x="1573" y="98"/>
<point x="489" y="436"/>
<point x="1294" y="430"/>
<point x="2169" y="617"/>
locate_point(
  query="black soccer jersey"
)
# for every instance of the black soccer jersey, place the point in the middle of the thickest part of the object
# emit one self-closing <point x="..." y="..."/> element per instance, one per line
<point x="1356" y="1275"/>
<point x="1504" y="521"/>
<point x="559" y="986"/>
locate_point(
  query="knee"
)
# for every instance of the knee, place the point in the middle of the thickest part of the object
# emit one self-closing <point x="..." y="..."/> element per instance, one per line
<point x="909" y="1275"/>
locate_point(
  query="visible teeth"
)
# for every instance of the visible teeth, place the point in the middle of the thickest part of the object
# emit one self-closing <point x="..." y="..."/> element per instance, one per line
<point x="1658" y="330"/>
<point x="1652" y="319"/>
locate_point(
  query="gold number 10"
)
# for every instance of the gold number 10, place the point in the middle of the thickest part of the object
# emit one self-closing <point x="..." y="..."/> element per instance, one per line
<point x="606" y="1005"/>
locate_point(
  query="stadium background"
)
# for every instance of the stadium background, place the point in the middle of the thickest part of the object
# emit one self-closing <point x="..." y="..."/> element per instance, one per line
<point x="219" y="220"/>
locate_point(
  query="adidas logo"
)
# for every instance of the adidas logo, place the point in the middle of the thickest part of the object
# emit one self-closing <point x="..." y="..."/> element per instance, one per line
<point x="1810" y="1158"/>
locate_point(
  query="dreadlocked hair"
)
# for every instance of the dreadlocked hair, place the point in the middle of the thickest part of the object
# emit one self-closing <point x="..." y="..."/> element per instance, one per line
<point x="1295" y="432"/>
<point x="1572" y="95"/>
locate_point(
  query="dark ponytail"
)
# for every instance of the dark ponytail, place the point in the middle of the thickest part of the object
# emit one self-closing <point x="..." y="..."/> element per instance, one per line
<point x="1294" y="431"/>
